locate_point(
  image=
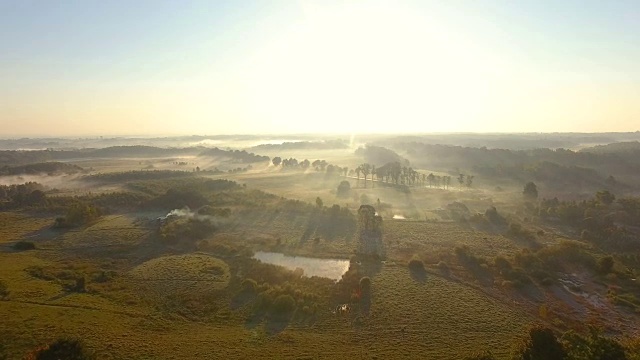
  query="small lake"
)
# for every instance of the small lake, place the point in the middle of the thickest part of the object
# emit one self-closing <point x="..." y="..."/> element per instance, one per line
<point x="328" y="268"/>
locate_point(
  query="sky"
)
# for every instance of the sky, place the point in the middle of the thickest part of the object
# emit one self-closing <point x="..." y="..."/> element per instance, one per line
<point x="88" y="68"/>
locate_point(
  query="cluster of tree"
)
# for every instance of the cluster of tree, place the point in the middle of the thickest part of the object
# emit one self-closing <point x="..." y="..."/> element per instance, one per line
<point x="304" y="145"/>
<point x="380" y="155"/>
<point x="27" y="194"/>
<point x="78" y="214"/>
<point x="557" y="175"/>
<point x="137" y="151"/>
<point x="49" y="168"/>
<point x="281" y="294"/>
<point x="330" y="222"/>
<point x="280" y="302"/>
<point x="240" y="156"/>
<point x="239" y="169"/>
<point x="604" y="220"/>
<point x="558" y="167"/>
<point x="318" y="165"/>
<point x="16" y="157"/>
<point x="542" y="265"/>
<point x="186" y="230"/>
<point x="395" y="173"/>
<point x="513" y="141"/>
<point x="125" y="176"/>
<point x="630" y="147"/>
<point x="177" y="198"/>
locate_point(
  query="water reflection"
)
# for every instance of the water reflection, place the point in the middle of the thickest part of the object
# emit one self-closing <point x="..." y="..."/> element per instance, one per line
<point x="329" y="268"/>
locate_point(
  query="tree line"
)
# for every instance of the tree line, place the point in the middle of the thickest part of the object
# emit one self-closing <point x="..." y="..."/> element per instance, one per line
<point x="396" y="174"/>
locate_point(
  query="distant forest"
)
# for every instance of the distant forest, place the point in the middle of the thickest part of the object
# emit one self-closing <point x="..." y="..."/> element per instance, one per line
<point x="615" y="167"/>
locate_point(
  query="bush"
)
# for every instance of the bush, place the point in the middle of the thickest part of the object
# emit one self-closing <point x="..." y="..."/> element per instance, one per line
<point x="249" y="285"/>
<point x="605" y="264"/>
<point x="63" y="348"/>
<point x="416" y="265"/>
<point x="502" y="263"/>
<point x="4" y="292"/>
<point x="592" y="346"/>
<point x="24" y="245"/>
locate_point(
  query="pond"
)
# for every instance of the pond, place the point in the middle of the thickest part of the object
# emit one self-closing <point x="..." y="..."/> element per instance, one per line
<point x="328" y="268"/>
<point x="399" y="217"/>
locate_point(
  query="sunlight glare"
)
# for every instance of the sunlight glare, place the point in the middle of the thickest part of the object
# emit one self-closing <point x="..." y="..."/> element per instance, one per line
<point x="365" y="65"/>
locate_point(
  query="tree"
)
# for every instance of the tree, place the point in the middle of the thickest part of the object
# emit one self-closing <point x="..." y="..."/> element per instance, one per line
<point x="319" y="202"/>
<point x="343" y="188"/>
<point x="530" y="191"/>
<point x="277" y="160"/>
<point x="461" y="179"/>
<point x="36" y="197"/>
<point x="431" y="178"/>
<point x="366" y="170"/>
<point x="373" y="173"/>
<point x="469" y="180"/>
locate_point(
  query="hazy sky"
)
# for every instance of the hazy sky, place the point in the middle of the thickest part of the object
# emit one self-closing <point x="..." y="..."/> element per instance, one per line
<point x="217" y="67"/>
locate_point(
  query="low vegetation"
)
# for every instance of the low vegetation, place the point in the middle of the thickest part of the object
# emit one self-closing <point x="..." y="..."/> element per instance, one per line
<point x="157" y="260"/>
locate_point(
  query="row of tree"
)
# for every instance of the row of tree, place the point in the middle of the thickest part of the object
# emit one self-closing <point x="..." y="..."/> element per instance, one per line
<point x="395" y="173"/>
